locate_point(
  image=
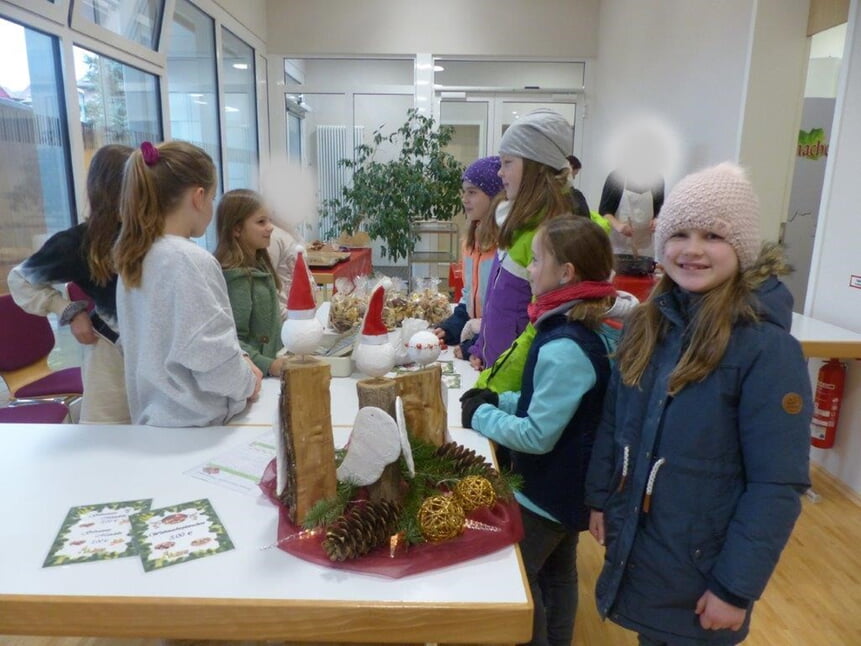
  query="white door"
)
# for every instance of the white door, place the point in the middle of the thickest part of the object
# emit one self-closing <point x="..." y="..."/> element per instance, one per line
<point x="479" y="121"/>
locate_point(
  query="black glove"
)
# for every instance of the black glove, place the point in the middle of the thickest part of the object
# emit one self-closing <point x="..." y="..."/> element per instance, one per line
<point x="472" y="399"/>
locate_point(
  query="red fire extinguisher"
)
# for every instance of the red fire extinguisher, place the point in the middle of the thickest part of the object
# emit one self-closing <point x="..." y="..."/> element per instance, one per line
<point x="826" y="405"/>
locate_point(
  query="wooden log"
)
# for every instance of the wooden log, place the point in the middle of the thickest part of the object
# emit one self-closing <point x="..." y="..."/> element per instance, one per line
<point x="306" y="434"/>
<point x="382" y="393"/>
<point x="424" y="408"/>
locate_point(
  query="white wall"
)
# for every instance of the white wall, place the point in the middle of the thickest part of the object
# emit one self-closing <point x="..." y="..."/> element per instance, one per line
<point x="727" y="76"/>
<point x="250" y="13"/>
<point x="551" y="28"/>
<point x="836" y="251"/>
<point x="773" y="105"/>
<point x="652" y="58"/>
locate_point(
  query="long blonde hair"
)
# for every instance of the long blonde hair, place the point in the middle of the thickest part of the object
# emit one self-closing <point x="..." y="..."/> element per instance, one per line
<point x="235" y="207"/>
<point x="719" y="310"/>
<point x="150" y="192"/>
<point x="483" y="234"/>
<point x="104" y="183"/>
<point x="578" y="240"/>
<point x="543" y="192"/>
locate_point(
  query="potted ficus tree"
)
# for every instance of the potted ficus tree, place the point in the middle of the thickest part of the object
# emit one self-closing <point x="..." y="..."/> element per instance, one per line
<point x="384" y="198"/>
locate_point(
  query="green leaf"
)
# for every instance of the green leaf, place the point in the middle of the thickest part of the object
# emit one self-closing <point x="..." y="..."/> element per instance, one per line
<point x="384" y="198"/>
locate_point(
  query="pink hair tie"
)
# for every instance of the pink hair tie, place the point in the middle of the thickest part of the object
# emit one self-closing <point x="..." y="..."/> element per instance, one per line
<point x="150" y="154"/>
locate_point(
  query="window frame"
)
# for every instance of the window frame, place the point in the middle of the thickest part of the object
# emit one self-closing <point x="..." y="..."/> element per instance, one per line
<point x="56" y="12"/>
<point x="86" y="27"/>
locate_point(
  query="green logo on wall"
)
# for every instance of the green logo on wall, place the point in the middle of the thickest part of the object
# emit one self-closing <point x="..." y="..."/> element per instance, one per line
<point x="812" y="144"/>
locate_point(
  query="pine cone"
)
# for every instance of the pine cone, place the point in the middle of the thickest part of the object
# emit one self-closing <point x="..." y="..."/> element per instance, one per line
<point x="464" y="459"/>
<point x="362" y="528"/>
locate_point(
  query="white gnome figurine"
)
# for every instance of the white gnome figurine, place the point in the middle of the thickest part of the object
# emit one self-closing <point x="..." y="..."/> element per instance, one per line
<point x="374" y="354"/>
<point x="301" y="332"/>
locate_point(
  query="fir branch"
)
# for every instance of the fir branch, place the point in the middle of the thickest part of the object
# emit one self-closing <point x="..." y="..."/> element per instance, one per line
<point x="326" y="511"/>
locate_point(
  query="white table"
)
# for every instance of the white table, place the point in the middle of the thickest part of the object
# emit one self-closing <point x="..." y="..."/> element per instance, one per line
<point x="245" y="593"/>
<point x="345" y="400"/>
<point x="821" y="339"/>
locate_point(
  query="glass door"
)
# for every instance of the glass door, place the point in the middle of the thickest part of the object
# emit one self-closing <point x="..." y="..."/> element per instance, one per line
<point x="480" y="121"/>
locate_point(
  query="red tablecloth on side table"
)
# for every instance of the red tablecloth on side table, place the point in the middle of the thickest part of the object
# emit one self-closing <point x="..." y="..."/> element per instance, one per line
<point x="358" y="264"/>
<point x="639" y="286"/>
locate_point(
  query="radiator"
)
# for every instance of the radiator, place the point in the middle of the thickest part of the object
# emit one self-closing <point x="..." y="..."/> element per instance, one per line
<point x="332" y="146"/>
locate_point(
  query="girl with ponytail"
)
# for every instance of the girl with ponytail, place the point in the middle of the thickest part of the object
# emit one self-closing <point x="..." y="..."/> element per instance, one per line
<point x="182" y="357"/>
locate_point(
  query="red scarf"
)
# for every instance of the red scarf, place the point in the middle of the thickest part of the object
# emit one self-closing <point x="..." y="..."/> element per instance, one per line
<point x="584" y="290"/>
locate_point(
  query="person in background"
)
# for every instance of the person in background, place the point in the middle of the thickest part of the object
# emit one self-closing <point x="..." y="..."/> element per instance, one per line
<point x="702" y="453"/>
<point x="579" y="205"/>
<point x="630" y="201"/>
<point x="534" y="171"/>
<point x="244" y="231"/>
<point x="183" y="363"/>
<point x="82" y="255"/>
<point x="549" y="425"/>
<point x="481" y="186"/>
<point x="284" y="245"/>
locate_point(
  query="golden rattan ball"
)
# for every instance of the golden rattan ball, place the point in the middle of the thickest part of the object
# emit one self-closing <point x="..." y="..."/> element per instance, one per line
<point x="441" y="518"/>
<point x="473" y="492"/>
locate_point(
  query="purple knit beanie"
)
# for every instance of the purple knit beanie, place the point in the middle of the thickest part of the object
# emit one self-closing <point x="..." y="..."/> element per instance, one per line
<point x="718" y="199"/>
<point x="484" y="173"/>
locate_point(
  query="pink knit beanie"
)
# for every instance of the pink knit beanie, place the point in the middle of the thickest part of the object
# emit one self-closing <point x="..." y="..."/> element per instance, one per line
<point x="719" y="199"/>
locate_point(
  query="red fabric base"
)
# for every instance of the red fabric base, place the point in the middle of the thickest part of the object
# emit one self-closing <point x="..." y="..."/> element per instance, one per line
<point x="417" y="558"/>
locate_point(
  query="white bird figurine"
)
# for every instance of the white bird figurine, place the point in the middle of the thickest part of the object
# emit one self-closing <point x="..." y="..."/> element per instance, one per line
<point x="301" y="332"/>
<point x="374" y="354"/>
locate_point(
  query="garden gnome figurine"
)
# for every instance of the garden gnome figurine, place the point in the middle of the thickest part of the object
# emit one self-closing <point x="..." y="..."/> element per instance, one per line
<point x="301" y="332"/>
<point x="374" y="355"/>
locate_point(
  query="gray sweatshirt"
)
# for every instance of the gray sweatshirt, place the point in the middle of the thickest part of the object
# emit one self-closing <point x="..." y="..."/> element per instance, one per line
<point x="182" y="358"/>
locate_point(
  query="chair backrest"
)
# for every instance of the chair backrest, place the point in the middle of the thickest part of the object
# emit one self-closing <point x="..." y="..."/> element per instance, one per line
<point x="25" y="338"/>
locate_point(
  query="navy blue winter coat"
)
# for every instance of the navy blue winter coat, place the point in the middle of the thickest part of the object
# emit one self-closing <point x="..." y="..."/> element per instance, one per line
<point x="725" y="499"/>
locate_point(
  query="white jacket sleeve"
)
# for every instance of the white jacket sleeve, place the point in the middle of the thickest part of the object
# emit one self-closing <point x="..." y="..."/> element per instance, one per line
<point x="40" y="300"/>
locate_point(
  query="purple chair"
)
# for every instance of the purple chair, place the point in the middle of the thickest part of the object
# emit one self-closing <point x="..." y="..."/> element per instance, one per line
<point x="34" y="413"/>
<point x="25" y="343"/>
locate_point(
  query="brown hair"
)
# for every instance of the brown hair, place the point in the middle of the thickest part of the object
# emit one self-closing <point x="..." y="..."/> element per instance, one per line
<point x="578" y="240"/>
<point x="483" y="234"/>
<point x="104" y="183"/>
<point x="543" y="194"/>
<point x="711" y="327"/>
<point x="151" y="192"/>
<point x="235" y="207"/>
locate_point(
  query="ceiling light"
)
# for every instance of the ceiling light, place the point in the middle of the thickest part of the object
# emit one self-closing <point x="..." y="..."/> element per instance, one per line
<point x="240" y="66"/>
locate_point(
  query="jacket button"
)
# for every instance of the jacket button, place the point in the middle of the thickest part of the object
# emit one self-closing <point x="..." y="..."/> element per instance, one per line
<point x="264" y="339"/>
<point x="698" y="553"/>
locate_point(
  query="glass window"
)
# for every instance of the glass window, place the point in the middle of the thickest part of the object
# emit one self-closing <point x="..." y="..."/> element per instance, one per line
<point x="119" y="104"/>
<point x="139" y="21"/>
<point x="240" y="113"/>
<point x="36" y="199"/>
<point x="192" y="89"/>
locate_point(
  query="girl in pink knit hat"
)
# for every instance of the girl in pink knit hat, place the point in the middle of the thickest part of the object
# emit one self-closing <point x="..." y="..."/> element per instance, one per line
<point x="702" y="454"/>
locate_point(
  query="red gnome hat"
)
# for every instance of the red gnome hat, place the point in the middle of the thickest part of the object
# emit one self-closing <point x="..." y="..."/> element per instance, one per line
<point x="300" y="300"/>
<point x="373" y="325"/>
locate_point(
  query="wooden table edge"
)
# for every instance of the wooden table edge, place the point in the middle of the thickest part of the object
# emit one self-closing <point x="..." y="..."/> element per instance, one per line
<point x="262" y="619"/>
<point x="826" y="349"/>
